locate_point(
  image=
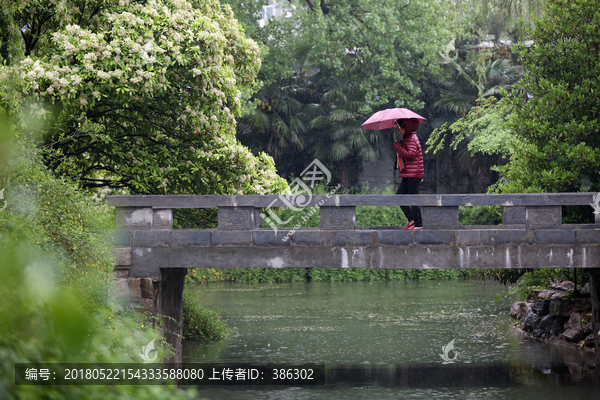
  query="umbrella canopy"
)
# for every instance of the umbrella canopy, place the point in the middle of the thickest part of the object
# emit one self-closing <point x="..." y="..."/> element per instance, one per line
<point x="385" y="119"/>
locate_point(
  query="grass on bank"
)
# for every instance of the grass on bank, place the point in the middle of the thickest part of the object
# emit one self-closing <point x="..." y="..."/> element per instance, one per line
<point x="200" y="323"/>
<point x="272" y="275"/>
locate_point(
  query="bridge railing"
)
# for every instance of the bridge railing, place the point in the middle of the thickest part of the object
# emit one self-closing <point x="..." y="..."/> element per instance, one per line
<point x="440" y="212"/>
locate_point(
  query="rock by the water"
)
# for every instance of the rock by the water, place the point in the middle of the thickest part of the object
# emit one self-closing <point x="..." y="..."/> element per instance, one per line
<point x="575" y="329"/>
<point x="574" y="322"/>
<point x="546" y="294"/>
<point x="541" y="307"/>
<point x="564" y="285"/>
<point x="573" y="335"/>
<point x="547" y="322"/>
<point x="531" y="321"/>
<point x="567" y="307"/>
<point x="519" y="310"/>
<point x="539" y="333"/>
<point x="586" y="289"/>
<point x="556" y="319"/>
<point x="589" y="340"/>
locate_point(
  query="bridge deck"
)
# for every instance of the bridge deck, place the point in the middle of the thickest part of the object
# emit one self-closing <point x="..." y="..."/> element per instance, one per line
<point x="532" y="236"/>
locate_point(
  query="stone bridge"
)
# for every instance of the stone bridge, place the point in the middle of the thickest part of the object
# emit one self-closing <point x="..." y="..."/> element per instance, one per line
<point x="152" y="258"/>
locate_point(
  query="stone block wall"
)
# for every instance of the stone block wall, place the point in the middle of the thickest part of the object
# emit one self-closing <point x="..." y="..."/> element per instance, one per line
<point x="135" y="291"/>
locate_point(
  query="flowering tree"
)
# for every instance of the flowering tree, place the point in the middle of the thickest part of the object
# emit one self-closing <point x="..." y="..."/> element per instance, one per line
<point x="134" y="93"/>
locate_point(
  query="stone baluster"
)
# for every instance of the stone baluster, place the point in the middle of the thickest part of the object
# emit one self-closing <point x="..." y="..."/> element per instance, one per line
<point x="257" y="218"/>
<point x="543" y="217"/>
<point x="440" y="217"/>
<point x="513" y="215"/>
<point x="236" y="218"/>
<point x="338" y="217"/>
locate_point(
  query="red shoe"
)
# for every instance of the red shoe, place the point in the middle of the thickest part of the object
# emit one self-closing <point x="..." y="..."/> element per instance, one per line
<point x="411" y="225"/>
<point x="415" y="228"/>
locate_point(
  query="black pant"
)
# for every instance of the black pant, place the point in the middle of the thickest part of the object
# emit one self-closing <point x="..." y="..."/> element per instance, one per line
<point x="411" y="186"/>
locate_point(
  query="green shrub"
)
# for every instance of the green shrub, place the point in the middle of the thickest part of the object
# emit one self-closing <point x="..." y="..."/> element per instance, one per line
<point x="480" y="215"/>
<point x="56" y="283"/>
<point x="524" y="280"/>
<point x="69" y="227"/>
<point x="540" y="279"/>
<point x="200" y="323"/>
<point x="379" y="215"/>
<point x="268" y="275"/>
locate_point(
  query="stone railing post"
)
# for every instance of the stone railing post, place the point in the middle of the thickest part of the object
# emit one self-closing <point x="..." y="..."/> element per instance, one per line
<point x="338" y="217"/>
<point x="162" y="218"/>
<point x="513" y="215"/>
<point x="129" y="219"/>
<point x="543" y="217"/>
<point x="257" y="218"/>
<point x="162" y="295"/>
<point x="236" y="218"/>
<point x="440" y="217"/>
<point x="132" y="218"/>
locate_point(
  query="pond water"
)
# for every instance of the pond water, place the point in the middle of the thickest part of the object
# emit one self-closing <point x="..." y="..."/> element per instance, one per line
<point x="381" y="340"/>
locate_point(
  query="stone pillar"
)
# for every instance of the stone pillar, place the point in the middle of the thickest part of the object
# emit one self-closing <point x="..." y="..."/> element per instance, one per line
<point x="162" y="218"/>
<point x="165" y="296"/>
<point x="169" y="304"/>
<point x="595" y="297"/>
<point x="133" y="218"/>
<point x="236" y="218"/>
<point x="543" y="217"/>
<point x="257" y="218"/>
<point x="338" y="217"/>
<point x="513" y="215"/>
<point x="440" y="217"/>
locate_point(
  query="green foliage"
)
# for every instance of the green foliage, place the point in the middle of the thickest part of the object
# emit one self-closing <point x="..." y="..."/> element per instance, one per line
<point x="379" y="215"/>
<point x="540" y="279"/>
<point x="200" y="323"/>
<point x="61" y="221"/>
<point x="501" y="18"/>
<point x="359" y="274"/>
<point x="372" y="32"/>
<point x="265" y="275"/>
<point x="527" y="279"/>
<point x="480" y="215"/>
<point x="56" y="289"/>
<point x="135" y="94"/>
<point x="329" y="66"/>
<point x="504" y="276"/>
<point x="271" y="275"/>
<point x="557" y="125"/>
<point x="484" y="129"/>
<point x="45" y="321"/>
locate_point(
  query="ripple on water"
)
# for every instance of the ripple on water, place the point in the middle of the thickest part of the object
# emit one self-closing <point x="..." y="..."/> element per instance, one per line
<point x="405" y="323"/>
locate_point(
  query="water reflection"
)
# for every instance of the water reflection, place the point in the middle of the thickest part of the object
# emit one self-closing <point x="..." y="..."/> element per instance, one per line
<point x="377" y="337"/>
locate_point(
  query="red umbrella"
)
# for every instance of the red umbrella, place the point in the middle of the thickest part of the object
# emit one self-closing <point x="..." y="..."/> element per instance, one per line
<point x="385" y="119"/>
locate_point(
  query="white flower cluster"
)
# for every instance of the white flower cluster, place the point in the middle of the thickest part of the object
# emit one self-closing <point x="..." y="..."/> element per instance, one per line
<point x="137" y="50"/>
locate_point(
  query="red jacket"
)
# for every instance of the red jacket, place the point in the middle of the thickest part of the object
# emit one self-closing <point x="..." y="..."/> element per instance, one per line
<point x="411" y="153"/>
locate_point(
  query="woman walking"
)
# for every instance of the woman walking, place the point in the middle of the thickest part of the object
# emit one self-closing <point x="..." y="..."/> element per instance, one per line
<point x="412" y="171"/>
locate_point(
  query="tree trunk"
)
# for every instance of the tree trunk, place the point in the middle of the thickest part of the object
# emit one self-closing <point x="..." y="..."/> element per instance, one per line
<point x="169" y="304"/>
